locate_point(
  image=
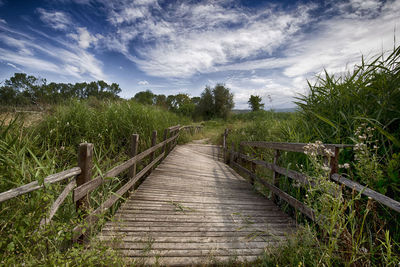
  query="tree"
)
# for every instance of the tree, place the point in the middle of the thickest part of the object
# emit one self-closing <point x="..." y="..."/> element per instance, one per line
<point x="255" y="102"/>
<point x="223" y="101"/>
<point x="216" y="102"/>
<point x="145" y="97"/>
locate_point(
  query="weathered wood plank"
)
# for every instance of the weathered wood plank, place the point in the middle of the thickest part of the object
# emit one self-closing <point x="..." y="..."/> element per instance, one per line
<point x="57" y="203"/>
<point x="294" y="147"/>
<point x="54" y="178"/>
<point x="192" y="203"/>
<point x="388" y="202"/>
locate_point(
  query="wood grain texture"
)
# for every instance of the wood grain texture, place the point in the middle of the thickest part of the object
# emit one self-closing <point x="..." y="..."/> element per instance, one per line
<point x="194" y="209"/>
<point x="35" y="185"/>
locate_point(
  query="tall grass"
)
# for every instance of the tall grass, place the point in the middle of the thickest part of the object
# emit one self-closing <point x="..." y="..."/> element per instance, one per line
<point x="33" y="152"/>
<point x="360" y="108"/>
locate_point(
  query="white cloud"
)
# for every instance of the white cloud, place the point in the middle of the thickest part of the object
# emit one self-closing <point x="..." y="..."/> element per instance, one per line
<point x="56" y="19"/>
<point x="2" y="20"/>
<point x="15" y="67"/>
<point x="64" y="59"/>
<point x="84" y="38"/>
<point x="143" y="83"/>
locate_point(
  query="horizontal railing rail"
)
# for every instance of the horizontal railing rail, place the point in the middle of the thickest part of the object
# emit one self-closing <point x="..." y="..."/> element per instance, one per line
<point x="237" y="159"/>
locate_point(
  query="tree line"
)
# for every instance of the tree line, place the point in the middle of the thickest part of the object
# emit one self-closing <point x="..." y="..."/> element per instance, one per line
<point x="23" y="89"/>
<point x="214" y="102"/>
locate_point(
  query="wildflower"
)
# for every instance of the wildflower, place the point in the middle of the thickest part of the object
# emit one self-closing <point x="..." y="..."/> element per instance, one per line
<point x="326" y="168"/>
<point x="346" y="165"/>
<point x="329" y="152"/>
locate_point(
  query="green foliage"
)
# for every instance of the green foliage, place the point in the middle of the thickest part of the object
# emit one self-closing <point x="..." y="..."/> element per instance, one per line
<point x="255" y="103"/>
<point x="21" y="90"/>
<point x="145" y="97"/>
<point x="216" y="102"/>
<point x="336" y="105"/>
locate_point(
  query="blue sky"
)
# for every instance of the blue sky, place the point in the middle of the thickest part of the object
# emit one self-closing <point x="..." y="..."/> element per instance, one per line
<point x="268" y="48"/>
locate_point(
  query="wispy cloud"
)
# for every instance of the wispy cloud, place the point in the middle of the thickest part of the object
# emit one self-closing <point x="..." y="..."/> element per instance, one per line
<point x="33" y="55"/>
<point x="56" y="19"/>
<point x="15" y="67"/>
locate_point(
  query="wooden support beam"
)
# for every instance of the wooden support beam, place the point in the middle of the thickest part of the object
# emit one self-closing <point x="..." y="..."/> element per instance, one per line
<point x="275" y="175"/>
<point x="85" y="162"/>
<point x="153" y="143"/>
<point x="133" y="152"/>
<point x="165" y="148"/>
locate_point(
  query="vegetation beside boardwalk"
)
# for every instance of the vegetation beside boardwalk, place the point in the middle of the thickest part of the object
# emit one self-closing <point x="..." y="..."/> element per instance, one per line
<point x="360" y="108"/>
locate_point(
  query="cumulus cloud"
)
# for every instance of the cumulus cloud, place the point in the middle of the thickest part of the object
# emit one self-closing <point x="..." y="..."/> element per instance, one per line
<point x="56" y="19"/>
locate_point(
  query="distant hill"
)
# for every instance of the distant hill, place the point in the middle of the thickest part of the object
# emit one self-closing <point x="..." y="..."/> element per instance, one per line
<point x="241" y="111"/>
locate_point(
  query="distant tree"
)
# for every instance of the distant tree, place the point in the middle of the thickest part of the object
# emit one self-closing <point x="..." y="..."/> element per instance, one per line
<point x="23" y="89"/>
<point x="206" y="104"/>
<point x="161" y="100"/>
<point x="215" y="102"/>
<point x="255" y="102"/>
<point x="145" y="97"/>
<point x="223" y="101"/>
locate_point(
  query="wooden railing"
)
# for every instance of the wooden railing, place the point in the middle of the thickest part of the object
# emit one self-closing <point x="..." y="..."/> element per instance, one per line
<point x="237" y="159"/>
<point x="82" y="184"/>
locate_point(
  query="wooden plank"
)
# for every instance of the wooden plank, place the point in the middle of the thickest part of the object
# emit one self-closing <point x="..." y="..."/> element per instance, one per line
<point x="388" y="202"/>
<point x="210" y="260"/>
<point x="57" y="203"/>
<point x="93" y="217"/>
<point x="174" y="128"/>
<point x="176" y="239"/>
<point x="54" y="178"/>
<point x="294" y="147"/>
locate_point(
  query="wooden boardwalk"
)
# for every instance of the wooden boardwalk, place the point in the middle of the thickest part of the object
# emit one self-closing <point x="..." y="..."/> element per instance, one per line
<point x="195" y="209"/>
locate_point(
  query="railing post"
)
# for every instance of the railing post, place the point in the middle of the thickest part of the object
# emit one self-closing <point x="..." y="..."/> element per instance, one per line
<point x="335" y="162"/>
<point x="253" y="167"/>
<point x="241" y="150"/>
<point x="275" y="175"/>
<point x="232" y="157"/>
<point x="133" y="152"/>
<point x="153" y="143"/>
<point x="224" y="146"/>
<point x="165" y="145"/>
<point x="85" y="162"/>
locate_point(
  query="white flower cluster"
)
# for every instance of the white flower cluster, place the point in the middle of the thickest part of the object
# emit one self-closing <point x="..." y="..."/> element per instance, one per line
<point x="317" y="148"/>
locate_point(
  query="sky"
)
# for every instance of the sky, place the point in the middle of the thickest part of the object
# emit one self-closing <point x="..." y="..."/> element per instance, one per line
<point x="266" y="48"/>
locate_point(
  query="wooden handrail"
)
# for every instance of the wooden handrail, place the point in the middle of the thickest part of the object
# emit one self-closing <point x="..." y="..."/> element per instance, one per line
<point x="57" y="177"/>
<point x="387" y="201"/>
<point x="86" y="188"/>
<point x="294" y="147"/>
<point x="299" y="177"/>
